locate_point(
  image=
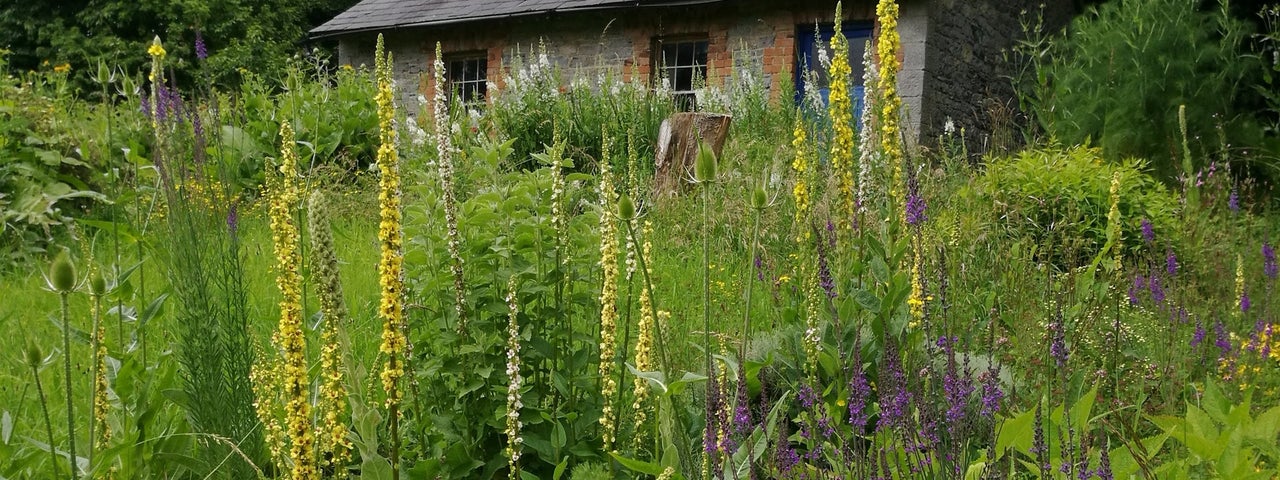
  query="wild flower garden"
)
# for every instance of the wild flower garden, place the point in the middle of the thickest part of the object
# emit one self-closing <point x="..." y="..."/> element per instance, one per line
<point x="301" y="281"/>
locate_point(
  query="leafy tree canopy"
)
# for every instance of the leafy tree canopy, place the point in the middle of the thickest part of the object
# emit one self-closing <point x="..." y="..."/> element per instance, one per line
<point x="257" y="35"/>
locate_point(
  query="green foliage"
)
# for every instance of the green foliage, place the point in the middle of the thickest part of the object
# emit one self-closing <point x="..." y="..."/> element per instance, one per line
<point x="238" y="33"/>
<point x="1222" y="439"/>
<point x="527" y="109"/>
<point x="1060" y="197"/>
<point x="457" y="416"/>
<point x="1120" y="73"/>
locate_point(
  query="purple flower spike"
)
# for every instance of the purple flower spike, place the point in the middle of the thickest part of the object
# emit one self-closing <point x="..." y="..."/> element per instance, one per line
<point x="1157" y="290"/>
<point x="1104" y="466"/>
<point x="1198" y="336"/>
<point x="233" y="219"/>
<point x="1148" y="231"/>
<point x="1244" y="302"/>
<point x="1223" y="342"/>
<point x="1233" y="201"/>
<point x="1171" y="263"/>
<point x="915" y="209"/>
<point x="201" y="51"/>
<point x="1138" y="285"/>
<point x="1269" y="267"/>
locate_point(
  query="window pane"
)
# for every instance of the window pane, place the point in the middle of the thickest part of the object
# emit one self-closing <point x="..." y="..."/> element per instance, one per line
<point x="683" y="79"/>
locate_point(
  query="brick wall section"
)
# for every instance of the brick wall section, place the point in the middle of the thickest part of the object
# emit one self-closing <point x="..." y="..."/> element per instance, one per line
<point x="951" y="52"/>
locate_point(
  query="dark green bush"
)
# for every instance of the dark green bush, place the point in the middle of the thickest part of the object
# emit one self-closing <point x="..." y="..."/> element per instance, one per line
<point x="1061" y="198"/>
<point x="1119" y="74"/>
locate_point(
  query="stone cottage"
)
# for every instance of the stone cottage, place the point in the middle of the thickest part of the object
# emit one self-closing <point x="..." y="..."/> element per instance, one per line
<point x="953" y="66"/>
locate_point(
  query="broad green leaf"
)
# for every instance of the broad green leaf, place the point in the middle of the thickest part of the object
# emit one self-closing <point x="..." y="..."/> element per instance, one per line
<point x="638" y="465"/>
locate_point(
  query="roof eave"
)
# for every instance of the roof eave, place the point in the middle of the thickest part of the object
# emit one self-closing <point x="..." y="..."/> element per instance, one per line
<point x="335" y="33"/>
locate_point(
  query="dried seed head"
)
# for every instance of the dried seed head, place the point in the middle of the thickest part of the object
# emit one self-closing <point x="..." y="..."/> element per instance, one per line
<point x="626" y="209"/>
<point x="97" y="285"/>
<point x="705" y="168"/>
<point x="62" y="274"/>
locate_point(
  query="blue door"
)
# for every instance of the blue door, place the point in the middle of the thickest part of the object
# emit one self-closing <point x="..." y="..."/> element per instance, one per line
<point x="808" y="39"/>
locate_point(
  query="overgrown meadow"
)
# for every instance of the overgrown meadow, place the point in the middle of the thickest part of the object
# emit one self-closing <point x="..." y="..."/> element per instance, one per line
<point x="299" y="280"/>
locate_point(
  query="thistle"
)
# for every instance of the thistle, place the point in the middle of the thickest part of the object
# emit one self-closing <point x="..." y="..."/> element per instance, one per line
<point x="331" y="434"/>
<point x="887" y="46"/>
<point x="608" y="303"/>
<point x="513" y="388"/>
<point x="290" y="337"/>
<point x="841" y="111"/>
<point x="62" y="280"/>
<point x="445" y="166"/>
<point x="390" y="237"/>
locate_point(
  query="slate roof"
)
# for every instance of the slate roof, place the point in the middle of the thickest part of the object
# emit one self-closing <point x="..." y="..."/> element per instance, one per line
<point x="386" y="14"/>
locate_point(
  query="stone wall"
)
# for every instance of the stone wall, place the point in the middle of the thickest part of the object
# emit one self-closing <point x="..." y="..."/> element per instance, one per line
<point x="952" y="49"/>
<point x="967" y="76"/>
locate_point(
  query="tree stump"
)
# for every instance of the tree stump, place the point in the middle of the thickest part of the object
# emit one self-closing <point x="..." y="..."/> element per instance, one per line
<point x="677" y="149"/>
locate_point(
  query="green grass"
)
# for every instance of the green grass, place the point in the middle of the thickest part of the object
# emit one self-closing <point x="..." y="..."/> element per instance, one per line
<point x="28" y="309"/>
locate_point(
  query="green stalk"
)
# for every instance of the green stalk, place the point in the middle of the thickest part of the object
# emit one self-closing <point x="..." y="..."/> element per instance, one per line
<point x="93" y="381"/>
<point x="66" y="356"/>
<point x="648" y="281"/>
<point x="746" y="309"/>
<point x="48" y="425"/>
<point x="706" y="280"/>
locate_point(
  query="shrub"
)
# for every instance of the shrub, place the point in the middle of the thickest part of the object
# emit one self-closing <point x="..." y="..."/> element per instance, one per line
<point x="1119" y="74"/>
<point x="1058" y="195"/>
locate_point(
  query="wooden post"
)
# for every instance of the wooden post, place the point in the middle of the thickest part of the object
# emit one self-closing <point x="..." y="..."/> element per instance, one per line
<point x="677" y="148"/>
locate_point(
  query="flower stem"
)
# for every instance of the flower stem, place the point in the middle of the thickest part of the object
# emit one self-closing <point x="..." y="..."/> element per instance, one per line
<point x="66" y="356"/>
<point x="48" y="425"/>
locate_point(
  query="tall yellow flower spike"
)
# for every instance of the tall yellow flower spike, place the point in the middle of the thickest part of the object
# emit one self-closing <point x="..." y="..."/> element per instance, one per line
<point x="887" y="46"/>
<point x="801" y="191"/>
<point x="390" y="236"/>
<point x="841" y="111"/>
<point x="290" y="337"/>
<point x="608" y="300"/>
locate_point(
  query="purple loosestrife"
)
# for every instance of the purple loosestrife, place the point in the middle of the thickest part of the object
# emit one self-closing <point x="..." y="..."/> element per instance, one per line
<point x="1039" y="447"/>
<point x="1233" y="201"/>
<point x="895" y="399"/>
<point x="1148" y="231"/>
<point x="1104" y="466"/>
<point x="1171" y="263"/>
<point x="915" y="209"/>
<point x="1139" y="284"/>
<point x="202" y="52"/>
<point x="825" y="281"/>
<point x="233" y="218"/>
<point x="1157" y="290"/>
<point x="859" y="393"/>
<point x="1244" y="302"/>
<point x="1221" y="340"/>
<point x="991" y="392"/>
<point x="1269" y="267"/>
<point x="1198" y="337"/>
<point x="1058" y="342"/>
<point x="742" y="403"/>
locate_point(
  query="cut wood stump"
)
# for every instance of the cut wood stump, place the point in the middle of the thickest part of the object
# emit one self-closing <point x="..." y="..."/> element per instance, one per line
<point x="677" y="149"/>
